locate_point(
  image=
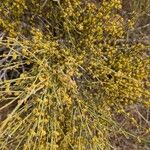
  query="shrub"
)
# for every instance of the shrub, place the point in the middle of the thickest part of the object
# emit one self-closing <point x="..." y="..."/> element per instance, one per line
<point x="65" y="65"/>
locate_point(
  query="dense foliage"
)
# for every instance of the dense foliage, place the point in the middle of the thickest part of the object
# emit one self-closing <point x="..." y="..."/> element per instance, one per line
<point x="65" y="65"/>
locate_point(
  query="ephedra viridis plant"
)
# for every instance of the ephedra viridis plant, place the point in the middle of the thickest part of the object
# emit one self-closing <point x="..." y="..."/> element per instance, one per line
<point x="65" y="67"/>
